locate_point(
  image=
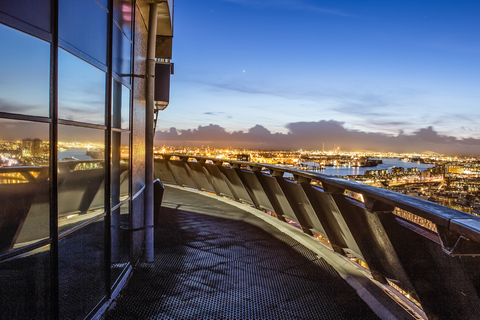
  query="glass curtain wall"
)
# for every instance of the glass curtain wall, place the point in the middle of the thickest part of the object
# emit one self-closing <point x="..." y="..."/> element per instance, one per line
<point x="65" y="156"/>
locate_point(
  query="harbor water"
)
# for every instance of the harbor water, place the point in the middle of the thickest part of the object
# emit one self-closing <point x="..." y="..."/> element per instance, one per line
<point x="388" y="163"/>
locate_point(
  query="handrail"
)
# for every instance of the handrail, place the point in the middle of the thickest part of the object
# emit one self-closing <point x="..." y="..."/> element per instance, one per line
<point x="426" y="209"/>
<point x="437" y="266"/>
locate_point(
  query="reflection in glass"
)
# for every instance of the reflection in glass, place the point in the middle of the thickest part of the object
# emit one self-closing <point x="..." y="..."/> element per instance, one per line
<point x="83" y="24"/>
<point x="81" y="175"/>
<point x="120" y="166"/>
<point x="120" y="233"/>
<point x="122" y="14"/>
<point x="24" y="77"/>
<point x="81" y="90"/>
<point x="120" y="106"/>
<point x="81" y="263"/>
<point x="25" y="286"/>
<point x="122" y="51"/>
<point x="24" y="186"/>
<point x="36" y="13"/>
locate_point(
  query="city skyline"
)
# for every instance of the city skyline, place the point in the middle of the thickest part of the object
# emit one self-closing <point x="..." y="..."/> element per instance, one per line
<point x="389" y="72"/>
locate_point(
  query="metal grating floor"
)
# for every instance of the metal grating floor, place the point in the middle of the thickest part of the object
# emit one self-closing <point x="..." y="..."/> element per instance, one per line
<point x="215" y="261"/>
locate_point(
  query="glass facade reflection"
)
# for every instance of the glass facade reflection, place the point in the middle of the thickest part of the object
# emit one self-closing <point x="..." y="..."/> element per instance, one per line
<point x="120" y="178"/>
<point x="81" y="90"/>
<point x="67" y="97"/>
<point x="25" y="76"/>
<point x="81" y="175"/>
<point x="81" y="271"/>
<point x="83" y="26"/>
<point x="120" y="254"/>
<point x="26" y="288"/>
<point x="24" y="173"/>
<point x="120" y="106"/>
<point x="123" y="47"/>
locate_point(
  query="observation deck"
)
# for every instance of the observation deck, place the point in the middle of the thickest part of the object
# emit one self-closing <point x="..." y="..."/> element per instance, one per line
<point x="216" y="259"/>
<point x="416" y="259"/>
<point x="237" y="239"/>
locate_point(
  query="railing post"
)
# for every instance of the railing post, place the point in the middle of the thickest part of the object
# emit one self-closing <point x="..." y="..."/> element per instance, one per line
<point x="443" y="284"/>
<point x="324" y="212"/>
<point x="250" y="192"/>
<point x="270" y="193"/>
<point x="169" y="167"/>
<point x="297" y="205"/>
<point x="231" y="178"/>
<point x="369" y="239"/>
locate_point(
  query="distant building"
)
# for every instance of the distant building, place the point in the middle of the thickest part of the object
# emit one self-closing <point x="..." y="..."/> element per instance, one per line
<point x="243" y="157"/>
<point x="398" y="170"/>
<point x="32" y="147"/>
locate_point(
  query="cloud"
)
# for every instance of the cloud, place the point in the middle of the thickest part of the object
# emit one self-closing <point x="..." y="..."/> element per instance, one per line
<point x="15" y="107"/>
<point x="12" y="130"/>
<point x="214" y="113"/>
<point x="312" y="135"/>
<point x="237" y="87"/>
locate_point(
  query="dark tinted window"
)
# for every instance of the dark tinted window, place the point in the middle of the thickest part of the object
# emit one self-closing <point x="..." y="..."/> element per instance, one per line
<point x="120" y="166"/>
<point x="122" y="51"/>
<point x="120" y="106"/>
<point x="81" y="176"/>
<point x="24" y="186"/>
<point x="34" y="12"/>
<point x="25" y="286"/>
<point x="81" y="266"/>
<point x="81" y="90"/>
<point x="25" y="73"/>
<point x="122" y="14"/>
<point x="83" y="24"/>
<point x="120" y="238"/>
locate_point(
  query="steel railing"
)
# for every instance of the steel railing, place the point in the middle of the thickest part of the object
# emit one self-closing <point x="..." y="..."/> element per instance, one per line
<point x="429" y="251"/>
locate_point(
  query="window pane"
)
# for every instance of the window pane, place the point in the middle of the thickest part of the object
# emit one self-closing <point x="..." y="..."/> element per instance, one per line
<point x="120" y="239"/>
<point x="25" y="286"/>
<point x="120" y="167"/>
<point x="24" y="186"/>
<point x="120" y="106"/>
<point x="81" y="263"/>
<point x="83" y="24"/>
<point x="122" y="52"/>
<point x="122" y="14"/>
<point x="36" y="12"/>
<point x="24" y="77"/>
<point x="81" y="175"/>
<point x="81" y="90"/>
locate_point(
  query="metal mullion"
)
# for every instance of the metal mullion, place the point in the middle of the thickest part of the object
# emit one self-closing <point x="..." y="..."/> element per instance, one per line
<point x="120" y="130"/>
<point x="82" y="225"/>
<point x="26" y="27"/>
<point x="82" y="124"/>
<point x="82" y="55"/>
<point x="108" y="156"/>
<point x="28" y="248"/>
<point x="118" y="205"/>
<point x="24" y="117"/>
<point x="130" y="124"/>
<point x="54" y="268"/>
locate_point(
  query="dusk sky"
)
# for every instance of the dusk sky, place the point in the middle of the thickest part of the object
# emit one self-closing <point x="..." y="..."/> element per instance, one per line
<point x="374" y="75"/>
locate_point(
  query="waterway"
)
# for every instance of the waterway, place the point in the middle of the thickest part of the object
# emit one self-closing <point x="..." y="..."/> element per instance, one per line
<point x="388" y="163"/>
<point x="80" y="154"/>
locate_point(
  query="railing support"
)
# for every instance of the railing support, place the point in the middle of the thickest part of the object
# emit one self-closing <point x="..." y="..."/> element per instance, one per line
<point x="440" y="270"/>
<point x="150" y="132"/>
